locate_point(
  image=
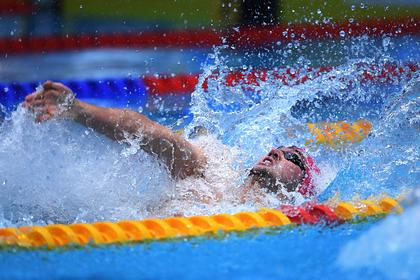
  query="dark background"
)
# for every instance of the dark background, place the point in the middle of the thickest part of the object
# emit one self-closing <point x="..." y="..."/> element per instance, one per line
<point x="23" y="18"/>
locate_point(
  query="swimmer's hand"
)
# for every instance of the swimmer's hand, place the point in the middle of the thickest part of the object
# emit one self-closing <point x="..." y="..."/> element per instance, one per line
<point x="51" y="100"/>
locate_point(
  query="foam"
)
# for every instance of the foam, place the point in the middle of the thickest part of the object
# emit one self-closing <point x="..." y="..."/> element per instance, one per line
<point x="59" y="171"/>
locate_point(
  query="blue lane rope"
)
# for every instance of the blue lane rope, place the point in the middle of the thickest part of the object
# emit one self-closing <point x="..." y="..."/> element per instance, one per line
<point x="124" y="91"/>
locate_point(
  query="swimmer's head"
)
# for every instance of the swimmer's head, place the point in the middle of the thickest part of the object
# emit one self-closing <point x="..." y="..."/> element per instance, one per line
<point x="286" y="167"/>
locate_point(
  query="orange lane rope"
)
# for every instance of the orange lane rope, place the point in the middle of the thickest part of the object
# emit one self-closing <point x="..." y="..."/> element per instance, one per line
<point x="57" y="235"/>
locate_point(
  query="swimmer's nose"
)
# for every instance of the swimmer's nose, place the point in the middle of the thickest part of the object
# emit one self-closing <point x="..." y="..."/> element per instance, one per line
<point x="275" y="154"/>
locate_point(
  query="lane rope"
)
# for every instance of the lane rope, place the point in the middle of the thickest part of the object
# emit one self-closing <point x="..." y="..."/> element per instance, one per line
<point x="136" y="91"/>
<point x="178" y="84"/>
<point x="331" y="134"/>
<point x="245" y="38"/>
<point x="82" y="234"/>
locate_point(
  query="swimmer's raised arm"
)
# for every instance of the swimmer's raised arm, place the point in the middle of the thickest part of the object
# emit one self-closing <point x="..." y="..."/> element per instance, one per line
<point x="55" y="100"/>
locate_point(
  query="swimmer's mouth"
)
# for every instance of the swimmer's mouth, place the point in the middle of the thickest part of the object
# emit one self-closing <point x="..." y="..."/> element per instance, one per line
<point x="261" y="168"/>
<point x="266" y="161"/>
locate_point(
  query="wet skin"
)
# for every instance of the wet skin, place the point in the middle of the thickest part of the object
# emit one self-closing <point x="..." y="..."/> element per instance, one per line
<point x="274" y="170"/>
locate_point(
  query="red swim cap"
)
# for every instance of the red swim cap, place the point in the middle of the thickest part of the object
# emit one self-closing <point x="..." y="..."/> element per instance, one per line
<point x="307" y="188"/>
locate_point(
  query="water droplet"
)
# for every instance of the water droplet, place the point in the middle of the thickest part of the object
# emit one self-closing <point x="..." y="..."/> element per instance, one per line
<point x="353" y="7"/>
<point x="301" y="60"/>
<point x="385" y="42"/>
<point x="319" y="12"/>
<point x="342" y="33"/>
<point x="351" y="20"/>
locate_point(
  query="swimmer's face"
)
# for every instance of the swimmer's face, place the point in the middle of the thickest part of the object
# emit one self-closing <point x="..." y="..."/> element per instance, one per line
<point x="281" y="167"/>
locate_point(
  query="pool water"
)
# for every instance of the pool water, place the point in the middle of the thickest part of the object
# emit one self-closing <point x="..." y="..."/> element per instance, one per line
<point x="369" y="249"/>
<point x="243" y="123"/>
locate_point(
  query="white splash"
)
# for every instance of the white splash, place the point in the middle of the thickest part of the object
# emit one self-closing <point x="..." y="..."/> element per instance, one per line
<point x="59" y="171"/>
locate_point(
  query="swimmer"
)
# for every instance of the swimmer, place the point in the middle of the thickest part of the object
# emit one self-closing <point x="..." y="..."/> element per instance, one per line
<point x="288" y="169"/>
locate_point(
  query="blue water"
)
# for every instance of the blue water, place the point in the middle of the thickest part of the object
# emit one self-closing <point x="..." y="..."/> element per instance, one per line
<point x="304" y="252"/>
<point x="386" y="162"/>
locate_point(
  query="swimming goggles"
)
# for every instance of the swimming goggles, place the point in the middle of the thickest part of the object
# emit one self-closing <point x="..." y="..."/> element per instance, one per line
<point x="293" y="158"/>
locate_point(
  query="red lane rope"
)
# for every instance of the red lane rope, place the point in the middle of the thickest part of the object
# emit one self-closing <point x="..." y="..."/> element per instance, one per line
<point x="261" y="36"/>
<point x="179" y="84"/>
<point x="246" y="37"/>
<point x="186" y="83"/>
